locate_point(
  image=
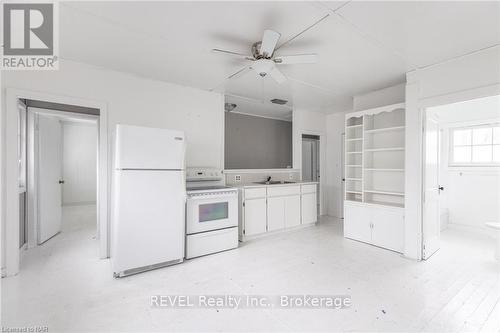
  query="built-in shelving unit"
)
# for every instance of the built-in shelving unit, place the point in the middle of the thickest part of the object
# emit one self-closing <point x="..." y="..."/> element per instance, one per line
<point x="354" y="160"/>
<point x="375" y="176"/>
<point x="374" y="156"/>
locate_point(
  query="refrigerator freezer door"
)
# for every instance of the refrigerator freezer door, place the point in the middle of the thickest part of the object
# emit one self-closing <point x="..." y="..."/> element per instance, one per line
<point x="148" y="148"/>
<point x="148" y="218"/>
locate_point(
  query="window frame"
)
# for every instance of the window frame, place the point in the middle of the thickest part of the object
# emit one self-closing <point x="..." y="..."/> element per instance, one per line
<point x="451" y="146"/>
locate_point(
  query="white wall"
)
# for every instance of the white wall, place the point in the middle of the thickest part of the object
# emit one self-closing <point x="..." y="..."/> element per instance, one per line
<point x="130" y="100"/>
<point x="381" y="97"/>
<point x="79" y="162"/>
<point x="311" y="122"/>
<point x="472" y="76"/>
<point x="135" y="100"/>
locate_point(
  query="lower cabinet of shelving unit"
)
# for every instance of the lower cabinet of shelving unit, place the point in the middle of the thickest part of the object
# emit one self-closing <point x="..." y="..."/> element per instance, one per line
<point x="357" y="223"/>
<point x="375" y="224"/>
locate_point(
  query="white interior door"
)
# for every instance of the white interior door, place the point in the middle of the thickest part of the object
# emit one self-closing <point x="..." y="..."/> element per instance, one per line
<point x="431" y="227"/>
<point x="49" y="177"/>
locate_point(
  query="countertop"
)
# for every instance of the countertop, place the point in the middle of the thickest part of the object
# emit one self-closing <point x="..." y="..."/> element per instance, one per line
<point x="250" y="185"/>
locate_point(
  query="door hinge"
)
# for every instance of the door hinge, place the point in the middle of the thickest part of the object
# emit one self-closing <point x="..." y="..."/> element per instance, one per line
<point x="243" y="204"/>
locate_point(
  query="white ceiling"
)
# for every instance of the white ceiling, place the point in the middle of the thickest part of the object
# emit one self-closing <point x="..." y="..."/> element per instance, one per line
<point x="362" y="46"/>
<point x="260" y="108"/>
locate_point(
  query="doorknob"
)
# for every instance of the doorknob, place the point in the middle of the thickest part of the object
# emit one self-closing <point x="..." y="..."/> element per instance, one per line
<point x="441" y="188"/>
<point x="61" y="181"/>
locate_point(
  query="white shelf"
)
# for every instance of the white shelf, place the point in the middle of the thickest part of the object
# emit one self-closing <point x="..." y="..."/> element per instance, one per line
<point x="354" y="165"/>
<point x="356" y="139"/>
<point x="354" y="192"/>
<point x="354" y="126"/>
<point x="401" y="194"/>
<point x="382" y="169"/>
<point x="354" y="179"/>
<point x="354" y="152"/>
<point x="385" y="149"/>
<point x="385" y="129"/>
<point x="384" y="203"/>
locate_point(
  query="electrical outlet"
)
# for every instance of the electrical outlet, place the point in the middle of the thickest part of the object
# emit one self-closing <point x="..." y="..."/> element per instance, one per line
<point x="237" y="178"/>
<point x="290" y="176"/>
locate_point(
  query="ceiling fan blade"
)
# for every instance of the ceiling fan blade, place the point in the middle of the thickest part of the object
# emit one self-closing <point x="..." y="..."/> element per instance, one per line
<point x="296" y="59"/>
<point x="277" y="75"/>
<point x="241" y="55"/>
<point x="269" y="41"/>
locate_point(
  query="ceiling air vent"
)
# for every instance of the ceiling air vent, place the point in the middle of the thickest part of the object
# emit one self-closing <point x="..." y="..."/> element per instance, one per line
<point x="279" y="101"/>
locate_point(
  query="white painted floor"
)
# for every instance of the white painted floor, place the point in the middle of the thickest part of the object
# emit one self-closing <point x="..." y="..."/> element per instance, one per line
<point x="63" y="285"/>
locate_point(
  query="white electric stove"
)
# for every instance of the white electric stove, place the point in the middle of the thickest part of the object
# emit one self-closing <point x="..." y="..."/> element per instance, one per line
<point x="211" y="213"/>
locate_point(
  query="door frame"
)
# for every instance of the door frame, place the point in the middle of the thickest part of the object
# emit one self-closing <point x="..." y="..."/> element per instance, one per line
<point x="426" y="116"/>
<point x="322" y="163"/>
<point x="33" y="223"/>
<point x="422" y="106"/>
<point x="10" y="203"/>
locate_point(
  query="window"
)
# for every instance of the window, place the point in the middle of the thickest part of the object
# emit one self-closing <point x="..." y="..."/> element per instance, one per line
<point x="475" y="145"/>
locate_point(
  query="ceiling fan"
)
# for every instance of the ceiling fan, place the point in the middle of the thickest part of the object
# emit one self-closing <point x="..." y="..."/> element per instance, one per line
<point x="263" y="60"/>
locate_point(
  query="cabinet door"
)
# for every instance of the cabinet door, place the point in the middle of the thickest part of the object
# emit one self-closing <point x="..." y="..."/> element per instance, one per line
<point x="275" y="213"/>
<point x="255" y="216"/>
<point x="292" y="211"/>
<point x="309" y="208"/>
<point x="388" y="228"/>
<point x="357" y="223"/>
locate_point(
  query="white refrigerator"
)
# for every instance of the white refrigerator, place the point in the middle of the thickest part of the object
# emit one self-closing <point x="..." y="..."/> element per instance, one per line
<point x="149" y="195"/>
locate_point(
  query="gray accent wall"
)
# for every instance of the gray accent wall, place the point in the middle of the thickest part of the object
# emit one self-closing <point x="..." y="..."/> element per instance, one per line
<point x="256" y="142"/>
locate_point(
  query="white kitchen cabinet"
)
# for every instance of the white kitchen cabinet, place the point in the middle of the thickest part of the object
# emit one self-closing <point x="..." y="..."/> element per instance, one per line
<point x="309" y="208"/>
<point x="375" y="224"/>
<point x="276" y="207"/>
<point x="275" y="213"/>
<point x="255" y="216"/>
<point x="357" y="223"/>
<point x="292" y="211"/>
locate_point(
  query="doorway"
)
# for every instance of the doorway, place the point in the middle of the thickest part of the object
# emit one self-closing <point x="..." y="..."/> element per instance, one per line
<point x="311" y="162"/>
<point x="12" y="174"/>
<point x="461" y="185"/>
<point x="60" y="171"/>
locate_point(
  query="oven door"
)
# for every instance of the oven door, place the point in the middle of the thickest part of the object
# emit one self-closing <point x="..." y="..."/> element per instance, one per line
<point x="211" y="211"/>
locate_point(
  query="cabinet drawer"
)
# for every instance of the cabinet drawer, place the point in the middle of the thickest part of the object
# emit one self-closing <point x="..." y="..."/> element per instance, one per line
<point x="282" y="191"/>
<point x="309" y="188"/>
<point x="211" y="242"/>
<point x="251" y="193"/>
